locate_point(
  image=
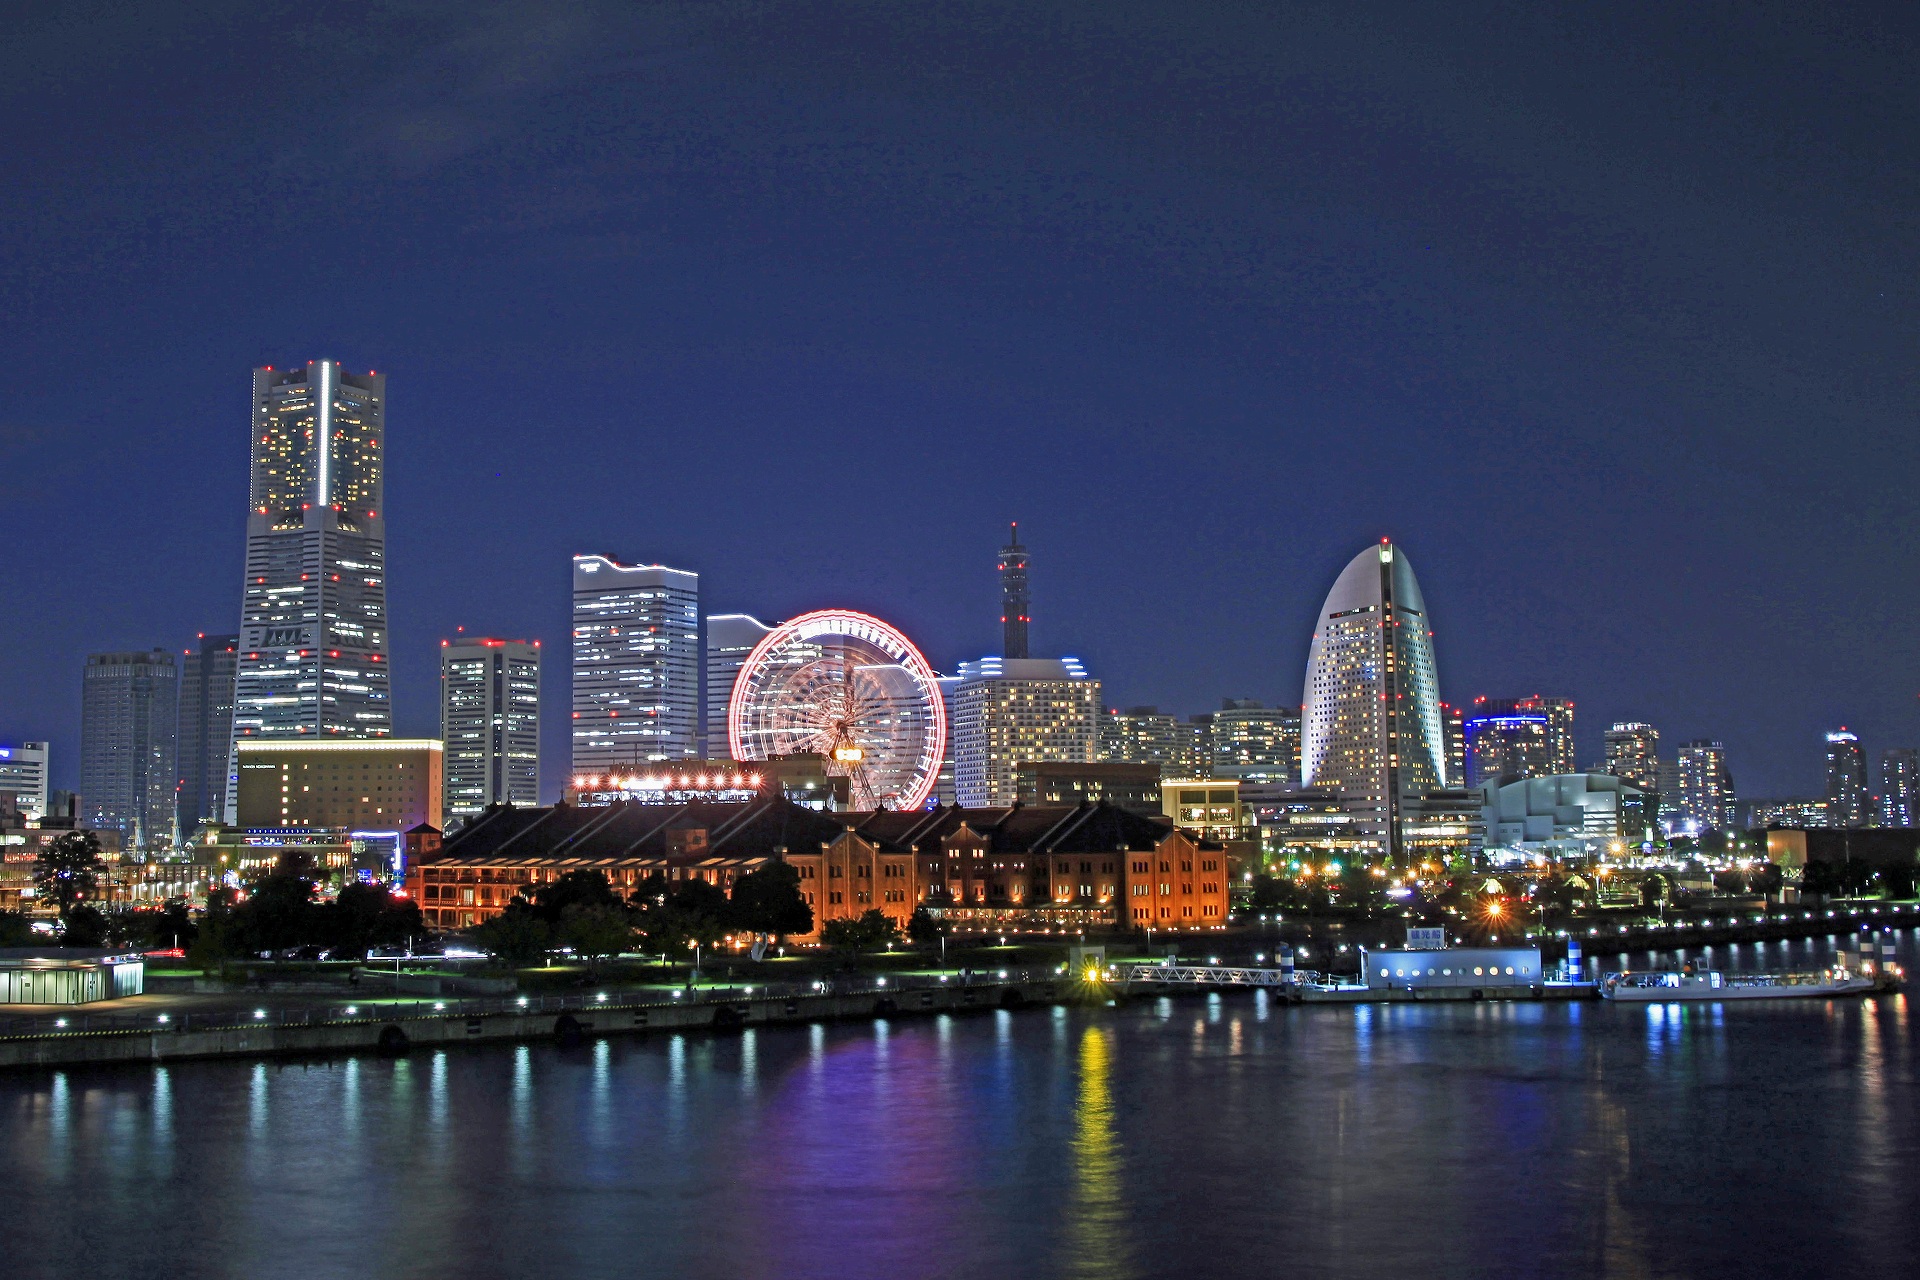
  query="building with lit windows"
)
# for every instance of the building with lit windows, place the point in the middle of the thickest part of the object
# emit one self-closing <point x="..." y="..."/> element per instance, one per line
<point x="1009" y="710"/>
<point x="23" y="775"/>
<point x="1633" y="753"/>
<point x="1371" y="726"/>
<point x="1705" y="796"/>
<point x="1789" y="813"/>
<point x="388" y="786"/>
<point x="1507" y="739"/>
<point x="730" y="638"/>
<point x="1035" y="869"/>
<point x="1847" y="800"/>
<point x="207" y="678"/>
<point x="129" y="709"/>
<point x="313" y="627"/>
<point x="1139" y="735"/>
<point x="1453" y="729"/>
<point x="1899" y="787"/>
<point x="636" y="664"/>
<point x="489" y="725"/>
<point x="1256" y="743"/>
<point x="1133" y="787"/>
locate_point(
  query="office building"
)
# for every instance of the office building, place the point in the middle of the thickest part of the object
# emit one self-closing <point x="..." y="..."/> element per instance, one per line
<point x="1010" y="710"/>
<point x="489" y="725"/>
<point x="1507" y="739"/>
<point x="1371" y="726"/>
<point x="207" y="677"/>
<point x="129" y="709"/>
<point x="1255" y="743"/>
<point x="636" y="664"/>
<point x="1633" y="753"/>
<point x="1014" y="602"/>
<point x="1210" y="807"/>
<point x="1193" y="747"/>
<point x="383" y="787"/>
<point x="1704" y="793"/>
<point x="1788" y="813"/>
<point x="1139" y="735"/>
<point x="730" y="638"/>
<point x="23" y="775"/>
<point x="1899" y="787"/>
<point x="1847" y="801"/>
<point x="1453" y="729"/>
<point x="313" y="626"/>
<point x="1133" y="787"/>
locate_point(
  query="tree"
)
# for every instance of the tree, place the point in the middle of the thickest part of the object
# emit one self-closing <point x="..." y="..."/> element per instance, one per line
<point x="279" y="910"/>
<point x="596" y="932"/>
<point x="693" y="912"/>
<point x="517" y="937"/>
<point x="216" y="939"/>
<point x="15" y="930"/>
<point x="369" y="915"/>
<point x="574" y="889"/>
<point x="85" y="927"/>
<point x="769" y="902"/>
<point x="864" y="932"/>
<point x="68" y="869"/>
<point x="923" y="926"/>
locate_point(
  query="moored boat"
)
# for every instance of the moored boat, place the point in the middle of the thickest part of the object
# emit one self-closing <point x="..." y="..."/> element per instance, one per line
<point x="1658" y="986"/>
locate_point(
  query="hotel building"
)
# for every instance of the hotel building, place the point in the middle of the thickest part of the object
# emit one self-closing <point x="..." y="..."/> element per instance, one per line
<point x="636" y="664"/>
<point x="490" y="725"/>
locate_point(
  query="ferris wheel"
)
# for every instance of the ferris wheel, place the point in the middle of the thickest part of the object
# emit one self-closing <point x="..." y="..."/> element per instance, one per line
<point x="853" y="689"/>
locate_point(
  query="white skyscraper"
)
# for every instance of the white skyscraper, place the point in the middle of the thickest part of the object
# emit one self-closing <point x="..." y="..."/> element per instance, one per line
<point x="1371" y="723"/>
<point x="1012" y="710"/>
<point x="730" y="638"/>
<point x="490" y="725"/>
<point x="313" y="623"/>
<point x="636" y="664"/>
<point x="23" y="774"/>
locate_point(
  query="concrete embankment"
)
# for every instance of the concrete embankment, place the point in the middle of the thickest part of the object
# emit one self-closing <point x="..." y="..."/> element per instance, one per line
<point x="476" y="1023"/>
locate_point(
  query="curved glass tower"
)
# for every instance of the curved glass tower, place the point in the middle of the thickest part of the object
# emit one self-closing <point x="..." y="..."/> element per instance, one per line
<point x="1370" y="723"/>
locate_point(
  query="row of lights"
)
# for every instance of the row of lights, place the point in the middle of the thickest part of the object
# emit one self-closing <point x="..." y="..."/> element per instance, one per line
<point x="614" y="782"/>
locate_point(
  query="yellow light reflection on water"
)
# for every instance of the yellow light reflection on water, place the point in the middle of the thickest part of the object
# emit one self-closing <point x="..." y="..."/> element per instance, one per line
<point x="1097" y="1240"/>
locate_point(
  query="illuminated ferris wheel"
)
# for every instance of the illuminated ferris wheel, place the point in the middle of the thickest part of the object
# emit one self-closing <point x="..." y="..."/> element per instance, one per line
<point x="851" y="688"/>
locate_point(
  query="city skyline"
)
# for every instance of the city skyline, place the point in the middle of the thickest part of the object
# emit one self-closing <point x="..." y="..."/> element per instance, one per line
<point x="1323" y="291"/>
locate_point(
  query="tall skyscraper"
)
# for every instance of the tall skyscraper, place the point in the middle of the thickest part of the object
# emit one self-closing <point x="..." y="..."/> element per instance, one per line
<point x="313" y="620"/>
<point x="1899" y="787"/>
<point x="490" y="725"/>
<point x="1846" y="780"/>
<point x="129" y="709"/>
<point x="1007" y="711"/>
<point x="1014" y="605"/>
<point x="1370" y="724"/>
<point x="730" y="638"/>
<point x="636" y="664"/>
<point x="1256" y="743"/>
<point x="1510" y="739"/>
<point x="206" y="731"/>
<point x="1633" y="753"/>
<point x="1453" y="730"/>
<point x="23" y="775"/>
<point x="1706" y="798"/>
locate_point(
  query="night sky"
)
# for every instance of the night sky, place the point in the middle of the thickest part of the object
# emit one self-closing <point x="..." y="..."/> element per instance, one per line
<point x="1605" y="314"/>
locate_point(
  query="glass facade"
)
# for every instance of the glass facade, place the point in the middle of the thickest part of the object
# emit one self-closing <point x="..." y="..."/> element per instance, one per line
<point x="313" y="634"/>
<point x="490" y="725"/>
<point x="636" y="664"/>
<point x="1010" y="710"/>
<point x="206" y="731"/>
<point x="129" y="707"/>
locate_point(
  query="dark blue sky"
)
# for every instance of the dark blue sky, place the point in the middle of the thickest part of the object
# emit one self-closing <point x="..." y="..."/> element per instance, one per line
<point x="1605" y="313"/>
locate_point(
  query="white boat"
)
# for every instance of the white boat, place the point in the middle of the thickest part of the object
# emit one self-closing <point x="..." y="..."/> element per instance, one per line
<point x="1655" y="986"/>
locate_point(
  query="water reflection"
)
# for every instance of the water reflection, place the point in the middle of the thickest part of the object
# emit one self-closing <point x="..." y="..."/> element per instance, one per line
<point x="1098" y="1245"/>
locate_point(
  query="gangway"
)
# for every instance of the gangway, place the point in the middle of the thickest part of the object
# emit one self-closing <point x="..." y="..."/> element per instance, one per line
<point x="1201" y="975"/>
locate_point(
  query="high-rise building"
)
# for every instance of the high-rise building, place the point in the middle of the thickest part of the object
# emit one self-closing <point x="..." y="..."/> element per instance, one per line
<point x="636" y="664"/>
<point x="1453" y="729"/>
<point x="1014" y="604"/>
<point x="1510" y="739"/>
<point x="1633" y="753"/>
<point x="1846" y="780"/>
<point x="730" y="638"/>
<point x="206" y="731"/>
<point x="313" y="619"/>
<point x="1256" y="743"/>
<point x="1008" y="711"/>
<point x="1899" y="787"/>
<point x="1705" y="799"/>
<point x="129" y="709"/>
<point x="490" y="725"/>
<point x="23" y="775"/>
<point x="1193" y="747"/>
<point x="1139" y="735"/>
<point x="1371" y="726"/>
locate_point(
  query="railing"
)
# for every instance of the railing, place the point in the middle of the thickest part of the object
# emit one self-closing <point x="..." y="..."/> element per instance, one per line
<point x="1202" y="975"/>
<point x="386" y="1009"/>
